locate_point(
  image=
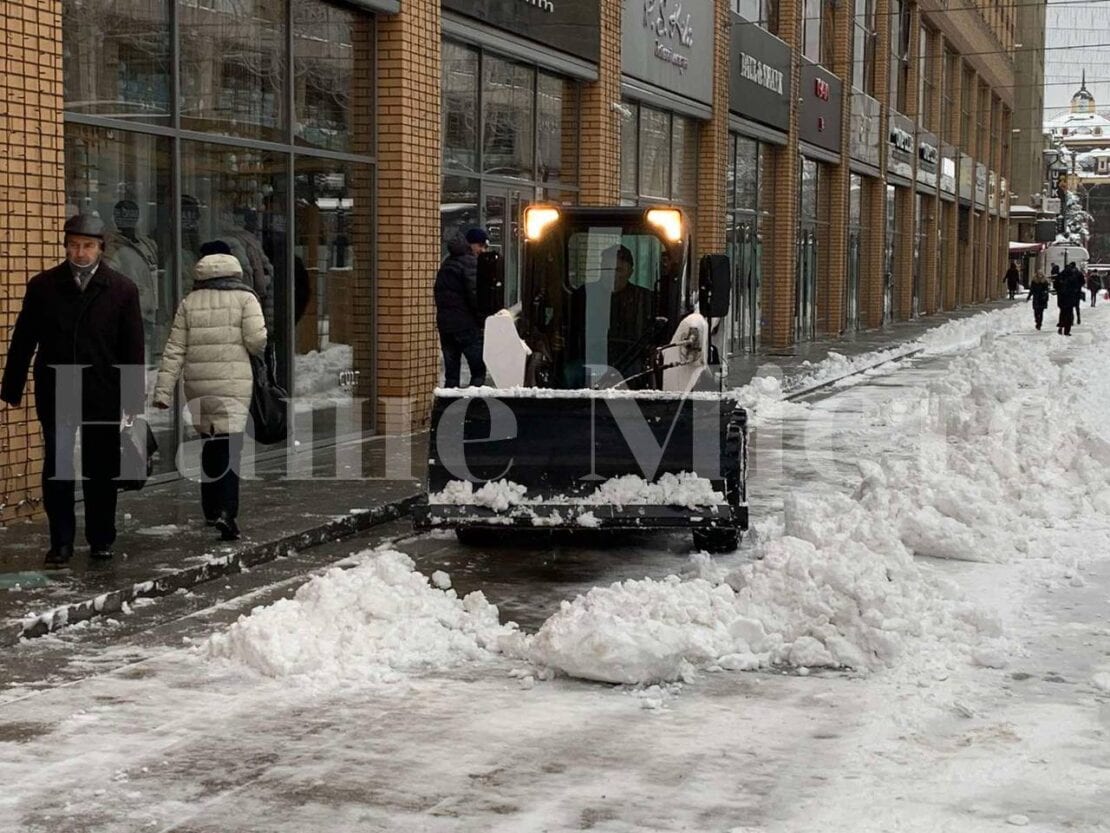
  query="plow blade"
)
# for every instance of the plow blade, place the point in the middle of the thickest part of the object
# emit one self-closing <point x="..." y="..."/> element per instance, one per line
<point x="533" y="458"/>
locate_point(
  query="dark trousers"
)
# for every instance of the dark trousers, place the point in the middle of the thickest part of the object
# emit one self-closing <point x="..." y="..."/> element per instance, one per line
<point x="1013" y="292"/>
<point x="99" y="468"/>
<point x="1094" y="296"/>
<point x="1038" y="316"/>
<point x="1067" y="315"/>
<point x="219" y="483"/>
<point x="456" y="345"/>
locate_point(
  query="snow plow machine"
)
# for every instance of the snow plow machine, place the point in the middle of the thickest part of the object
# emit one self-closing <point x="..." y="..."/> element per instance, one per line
<point x="603" y="406"/>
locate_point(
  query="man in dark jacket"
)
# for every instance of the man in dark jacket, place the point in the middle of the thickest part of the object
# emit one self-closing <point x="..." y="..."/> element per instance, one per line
<point x="1068" y="288"/>
<point x="1012" y="278"/>
<point x="83" y="324"/>
<point x="457" y="315"/>
<point x="1075" y="281"/>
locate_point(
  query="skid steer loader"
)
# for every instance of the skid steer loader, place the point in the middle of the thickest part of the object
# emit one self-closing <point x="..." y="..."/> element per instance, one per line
<point x="606" y="410"/>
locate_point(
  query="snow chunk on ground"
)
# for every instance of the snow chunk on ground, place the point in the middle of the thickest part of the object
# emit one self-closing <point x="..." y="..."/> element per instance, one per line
<point x="370" y="623"/>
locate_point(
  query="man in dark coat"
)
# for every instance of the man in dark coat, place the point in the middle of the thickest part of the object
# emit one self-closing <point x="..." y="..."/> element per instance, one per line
<point x="1012" y="278"/>
<point x="1075" y="280"/>
<point x="457" y="315"/>
<point x="1068" y="288"/>
<point x="83" y="324"/>
<point x="1094" y="285"/>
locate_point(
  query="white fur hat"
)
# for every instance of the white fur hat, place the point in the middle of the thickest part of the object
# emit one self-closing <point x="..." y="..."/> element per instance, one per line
<point x="218" y="266"/>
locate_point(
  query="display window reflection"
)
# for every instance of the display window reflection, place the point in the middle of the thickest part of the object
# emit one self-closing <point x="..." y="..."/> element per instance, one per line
<point x="117" y="59"/>
<point x="233" y="68"/>
<point x="333" y="76"/>
<point x="332" y="286"/>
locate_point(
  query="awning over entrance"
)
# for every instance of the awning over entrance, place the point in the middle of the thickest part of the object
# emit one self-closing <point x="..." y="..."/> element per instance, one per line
<point x="1025" y="248"/>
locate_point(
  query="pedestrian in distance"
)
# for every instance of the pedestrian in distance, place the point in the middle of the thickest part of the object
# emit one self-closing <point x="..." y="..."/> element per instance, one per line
<point x="219" y="325"/>
<point x="1067" y="299"/>
<point x="1038" y="294"/>
<point x="1074" y="278"/>
<point x="1094" y="286"/>
<point x="83" y="323"/>
<point x="458" y="317"/>
<point x="1012" y="278"/>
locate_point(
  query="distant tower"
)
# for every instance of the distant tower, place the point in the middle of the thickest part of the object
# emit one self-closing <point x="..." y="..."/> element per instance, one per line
<point x="1083" y="101"/>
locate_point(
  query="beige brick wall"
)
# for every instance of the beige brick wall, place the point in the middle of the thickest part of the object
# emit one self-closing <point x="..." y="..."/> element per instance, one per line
<point x="832" y="273"/>
<point x="781" y="170"/>
<point x="713" y="147"/>
<point x="31" y="211"/>
<point x="409" y="159"/>
<point x="600" y="157"/>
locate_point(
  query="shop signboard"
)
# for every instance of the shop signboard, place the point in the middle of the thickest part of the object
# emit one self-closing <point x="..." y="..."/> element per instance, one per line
<point x="992" y="192"/>
<point x="819" y="107"/>
<point x="669" y="44"/>
<point x="572" y="26"/>
<point x="900" y="147"/>
<point x="947" y="171"/>
<point x="928" y="159"/>
<point x="758" y="75"/>
<point x="967" y="177"/>
<point x="980" y="185"/>
<point x="864" y="135"/>
<point x="1003" y="197"/>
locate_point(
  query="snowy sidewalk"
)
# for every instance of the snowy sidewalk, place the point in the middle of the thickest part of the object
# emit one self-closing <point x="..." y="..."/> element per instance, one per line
<point x="164" y="546"/>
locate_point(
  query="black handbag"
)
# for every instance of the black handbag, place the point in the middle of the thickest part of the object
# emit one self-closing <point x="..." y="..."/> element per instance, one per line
<point x="138" y="450"/>
<point x="269" y="418"/>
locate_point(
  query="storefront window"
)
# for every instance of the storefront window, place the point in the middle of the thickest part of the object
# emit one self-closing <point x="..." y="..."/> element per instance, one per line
<point x="899" y="53"/>
<point x="863" y="36"/>
<point x="233" y="68"/>
<point x="460" y="107"/>
<point x="238" y="64"/>
<point x="659" y="156"/>
<point x="331" y="51"/>
<point x="655" y="153"/>
<point x="557" y="129"/>
<point x="331" y="267"/>
<point x="763" y="13"/>
<point x="630" y="128"/>
<point x="684" y="166"/>
<point x="117" y="59"/>
<point x="509" y="98"/>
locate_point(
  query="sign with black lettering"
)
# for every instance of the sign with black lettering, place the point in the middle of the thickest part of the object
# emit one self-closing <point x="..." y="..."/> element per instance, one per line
<point x="759" y="75"/>
<point x="572" y="26"/>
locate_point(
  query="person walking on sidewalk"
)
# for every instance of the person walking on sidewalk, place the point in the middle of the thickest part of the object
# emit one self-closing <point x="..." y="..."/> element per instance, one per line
<point x="1012" y="279"/>
<point x="218" y="326"/>
<point x="1038" y="294"/>
<point x="1094" y="285"/>
<point x="1074" y="279"/>
<point x="1067" y="299"/>
<point x="457" y="313"/>
<point x="83" y="323"/>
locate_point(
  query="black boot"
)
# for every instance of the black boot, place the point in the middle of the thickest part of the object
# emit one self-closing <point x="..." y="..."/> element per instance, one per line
<point x="229" y="530"/>
<point x="59" y="556"/>
<point x="100" y="553"/>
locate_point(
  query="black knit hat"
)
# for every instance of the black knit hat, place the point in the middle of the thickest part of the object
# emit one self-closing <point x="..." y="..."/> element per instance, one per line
<point x="214" y="247"/>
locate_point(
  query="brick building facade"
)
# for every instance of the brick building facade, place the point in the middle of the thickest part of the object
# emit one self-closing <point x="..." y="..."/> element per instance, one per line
<point x="852" y="158"/>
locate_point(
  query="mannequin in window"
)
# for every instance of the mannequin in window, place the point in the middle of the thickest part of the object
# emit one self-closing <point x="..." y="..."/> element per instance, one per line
<point x="135" y="255"/>
<point x="241" y="233"/>
<point x="190" y="240"/>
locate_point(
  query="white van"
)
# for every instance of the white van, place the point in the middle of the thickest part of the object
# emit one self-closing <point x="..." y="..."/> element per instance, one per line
<point x="1061" y="254"/>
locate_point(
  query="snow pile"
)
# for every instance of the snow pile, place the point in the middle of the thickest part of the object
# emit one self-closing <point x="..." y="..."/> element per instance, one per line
<point x="371" y="623"/>
<point x="1006" y="445"/>
<point x="682" y="489"/>
<point x="837" y="590"/>
<point x="318" y="370"/>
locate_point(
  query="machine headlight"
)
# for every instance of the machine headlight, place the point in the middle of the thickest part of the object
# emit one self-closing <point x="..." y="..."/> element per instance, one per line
<point x="536" y="220"/>
<point x="668" y="221"/>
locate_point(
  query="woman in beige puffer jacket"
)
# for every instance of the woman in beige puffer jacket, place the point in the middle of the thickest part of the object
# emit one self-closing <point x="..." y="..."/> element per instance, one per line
<point x="217" y="325"/>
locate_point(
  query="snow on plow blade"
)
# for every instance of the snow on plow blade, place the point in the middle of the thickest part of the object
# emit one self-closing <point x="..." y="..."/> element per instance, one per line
<point x="585" y="459"/>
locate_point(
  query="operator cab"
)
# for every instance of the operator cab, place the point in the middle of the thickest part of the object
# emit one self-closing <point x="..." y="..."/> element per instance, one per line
<point x="603" y="289"/>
